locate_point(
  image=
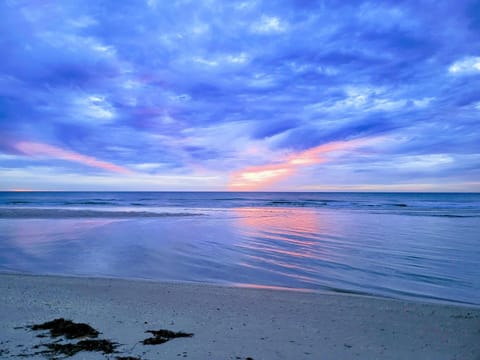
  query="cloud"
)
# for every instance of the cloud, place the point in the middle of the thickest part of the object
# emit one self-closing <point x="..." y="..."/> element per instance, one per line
<point x="222" y="87"/>
<point x="402" y="187"/>
<point x="468" y="65"/>
<point x="96" y="107"/>
<point x="40" y="150"/>
<point x="205" y="61"/>
<point x="269" y="24"/>
<point x="41" y="178"/>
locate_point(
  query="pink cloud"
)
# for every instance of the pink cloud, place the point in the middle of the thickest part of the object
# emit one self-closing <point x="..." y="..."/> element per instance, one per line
<point x="255" y="177"/>
<point x="40" y="149"/>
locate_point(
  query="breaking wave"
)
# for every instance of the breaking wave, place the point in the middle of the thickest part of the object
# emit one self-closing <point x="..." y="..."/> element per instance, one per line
<point x="42" y="213"/>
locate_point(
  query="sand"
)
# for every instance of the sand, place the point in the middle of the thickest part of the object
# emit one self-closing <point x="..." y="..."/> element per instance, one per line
<point x="234" y="323"/>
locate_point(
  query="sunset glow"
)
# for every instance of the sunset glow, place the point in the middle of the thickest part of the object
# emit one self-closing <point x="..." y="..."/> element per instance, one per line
<point x="260" y="177"/>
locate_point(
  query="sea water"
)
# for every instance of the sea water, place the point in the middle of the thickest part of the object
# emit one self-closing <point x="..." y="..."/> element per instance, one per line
<point x="421" y="246"/>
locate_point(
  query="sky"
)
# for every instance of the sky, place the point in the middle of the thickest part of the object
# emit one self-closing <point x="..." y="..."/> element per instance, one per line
<point x="213" y="95"/>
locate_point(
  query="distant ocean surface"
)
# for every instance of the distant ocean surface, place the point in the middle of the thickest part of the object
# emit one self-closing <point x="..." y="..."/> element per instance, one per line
<point x="420" y="246"/>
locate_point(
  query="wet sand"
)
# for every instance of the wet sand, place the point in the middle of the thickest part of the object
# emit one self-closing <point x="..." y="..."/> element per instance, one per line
<point x="231" y="323"/>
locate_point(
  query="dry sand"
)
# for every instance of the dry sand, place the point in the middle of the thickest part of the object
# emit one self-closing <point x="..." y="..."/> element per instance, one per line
<point x="235" y="323"/>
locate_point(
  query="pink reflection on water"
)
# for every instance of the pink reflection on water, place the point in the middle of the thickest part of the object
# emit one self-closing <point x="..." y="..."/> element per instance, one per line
<point x="291" y="220"/>
<point x="281" y="241"/>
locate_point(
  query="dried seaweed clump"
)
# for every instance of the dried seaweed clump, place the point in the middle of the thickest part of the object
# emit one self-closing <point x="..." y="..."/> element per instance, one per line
<point x="67" y="328"/>
<point x="162" y="336"/>
<point x="104" y="346"/>
<point x="71" y="330"/>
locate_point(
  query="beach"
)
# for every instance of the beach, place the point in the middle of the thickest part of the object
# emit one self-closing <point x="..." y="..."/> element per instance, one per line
<point x="234" y="323"/>
<point x="129" y="276"/>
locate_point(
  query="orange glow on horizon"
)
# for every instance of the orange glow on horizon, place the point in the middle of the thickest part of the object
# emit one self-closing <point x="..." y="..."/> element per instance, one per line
<point x="254" y="177"/>
<point x="260" y="175"/>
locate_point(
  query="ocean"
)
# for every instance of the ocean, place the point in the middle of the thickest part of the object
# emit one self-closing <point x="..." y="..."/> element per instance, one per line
<point x="417" y="246"/>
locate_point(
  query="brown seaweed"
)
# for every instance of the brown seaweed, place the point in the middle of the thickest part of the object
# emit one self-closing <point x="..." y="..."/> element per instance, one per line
<point x="104" y="346"/>
<point x="67" y="328"/>
<point x="70" y="330"/>
<point x="162" y="336"/>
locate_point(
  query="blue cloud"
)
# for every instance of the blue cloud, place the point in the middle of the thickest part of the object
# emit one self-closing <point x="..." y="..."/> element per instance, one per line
<point x="146" y="82"/>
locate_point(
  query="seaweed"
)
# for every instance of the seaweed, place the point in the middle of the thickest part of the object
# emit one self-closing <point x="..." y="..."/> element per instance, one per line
<point x="104" y="346"/>
<point x="162" y="336"/>
<point x="67" y="328"/>
<point x="71" y="330"/>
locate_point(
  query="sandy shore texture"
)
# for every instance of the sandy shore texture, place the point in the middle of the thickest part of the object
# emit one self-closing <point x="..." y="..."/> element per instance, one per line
<point x="233" y="323"/>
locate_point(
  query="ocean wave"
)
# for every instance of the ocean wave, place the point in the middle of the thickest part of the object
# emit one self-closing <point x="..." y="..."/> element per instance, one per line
<point x="232" y="199"/>
<point x="331" y="203"/>
<point x="300" y="203"/>
<point x="431" y="213"/>
<point x="453" y="215"/>
<point x="18" y="202"/>
<point x="40" y="213"/>
<point x="91" y="202"/>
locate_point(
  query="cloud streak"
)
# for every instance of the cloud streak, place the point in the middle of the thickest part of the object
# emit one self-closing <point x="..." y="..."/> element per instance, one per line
<point x="37" y="150"/>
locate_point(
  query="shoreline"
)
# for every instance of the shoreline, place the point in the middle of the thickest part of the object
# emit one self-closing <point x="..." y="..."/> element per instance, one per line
<point x="235" y="322"/>
<point x="428" y="300"/>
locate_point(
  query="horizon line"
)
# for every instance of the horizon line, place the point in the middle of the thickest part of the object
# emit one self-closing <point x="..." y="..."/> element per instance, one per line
<point x="247" y="191"/>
